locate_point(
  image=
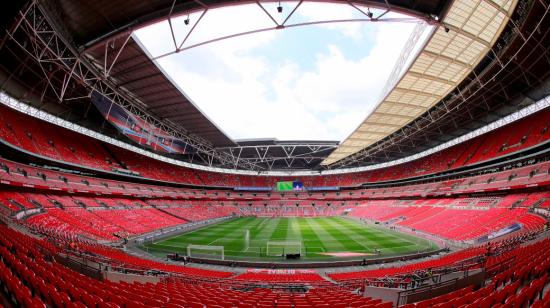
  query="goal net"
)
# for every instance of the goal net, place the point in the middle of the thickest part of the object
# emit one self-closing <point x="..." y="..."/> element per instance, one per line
<point x="206" y="251"/>
<point x="281" y="248"/>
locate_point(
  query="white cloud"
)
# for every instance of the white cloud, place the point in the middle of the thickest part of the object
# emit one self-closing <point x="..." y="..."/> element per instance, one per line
<point x="310" y="11"/>
<point x="249" y="96"/>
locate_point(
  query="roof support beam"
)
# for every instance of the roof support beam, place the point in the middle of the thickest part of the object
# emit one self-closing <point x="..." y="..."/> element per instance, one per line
<point x="497" y="7"/>
<point x="430" y="77"/>
<point x="384" y="124"/>
<point x="405" y="105"/>
<point x="442" y="60"/>
<point x="415" y="92"/>
<point x="393" y="115"/>
<point x="445" y="58"/>
<point x="468" y="35"/>
<point x="35" y="35"/>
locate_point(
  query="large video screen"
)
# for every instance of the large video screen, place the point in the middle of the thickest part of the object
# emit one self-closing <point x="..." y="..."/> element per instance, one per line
<point x="289" y="186"/>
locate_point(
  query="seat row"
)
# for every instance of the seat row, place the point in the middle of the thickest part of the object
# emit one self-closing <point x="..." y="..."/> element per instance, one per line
<point x="520" y="284"/>
<point x="57" y="143"/>
<point x="450" y="218"/>
<point x="33" y="278"/>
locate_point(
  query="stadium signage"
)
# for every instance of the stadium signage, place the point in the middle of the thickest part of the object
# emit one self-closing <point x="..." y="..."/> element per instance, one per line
<point x="280" y="271"/>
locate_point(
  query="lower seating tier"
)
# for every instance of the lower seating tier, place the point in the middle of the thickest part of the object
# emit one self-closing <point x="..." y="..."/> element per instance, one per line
<point x="33" y="279"/>
<point x="102" y="218"/>
<point x="452" y="219"/>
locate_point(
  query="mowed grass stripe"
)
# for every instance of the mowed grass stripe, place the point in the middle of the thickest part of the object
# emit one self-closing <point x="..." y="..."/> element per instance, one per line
<point x="233" y="239"/>
<point x="230" y="234"/>
<point x="258" y="241"/>
<point x="323" y="234"/>
<point x="360" y="238"/>
<point x="212" y="230"/>
<point x="379" y="232"/>
<point x="281" y="232"/>
<point x="227" y="231"/>
<point x="263" y="223"/>
<point x="293" y="232"/>
<point x="349" y="240"/>
<point x="310" y="239"/>
<point x="263" y="230"/>
<point x="390" y="241"/>
<point x="374" y="239"/>
<point x="330" y="242"/>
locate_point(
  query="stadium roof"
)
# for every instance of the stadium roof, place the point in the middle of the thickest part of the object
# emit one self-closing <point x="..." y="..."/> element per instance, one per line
<point x="138" y="74"/>
<point x="90" y="25"/>
<point x="35" y="66"/>
<point x="468" y="31"/>
<point x="281" y="154"/>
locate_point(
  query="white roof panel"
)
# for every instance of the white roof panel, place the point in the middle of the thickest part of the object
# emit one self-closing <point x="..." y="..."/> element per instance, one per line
<point x="445" y="61"/>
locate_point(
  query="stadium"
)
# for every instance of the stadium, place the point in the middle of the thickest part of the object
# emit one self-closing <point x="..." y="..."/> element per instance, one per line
<point x="360" y="153"/>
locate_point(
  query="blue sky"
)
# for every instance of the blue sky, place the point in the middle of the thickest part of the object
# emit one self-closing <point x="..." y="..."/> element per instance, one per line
<point x="311" y="82"/>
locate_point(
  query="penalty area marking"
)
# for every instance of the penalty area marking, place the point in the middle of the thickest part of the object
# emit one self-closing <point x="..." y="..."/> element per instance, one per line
<point x="220" y="238"/>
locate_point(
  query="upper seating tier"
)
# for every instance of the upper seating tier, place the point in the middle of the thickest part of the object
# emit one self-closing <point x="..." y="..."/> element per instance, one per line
<point x="57" y="143"/>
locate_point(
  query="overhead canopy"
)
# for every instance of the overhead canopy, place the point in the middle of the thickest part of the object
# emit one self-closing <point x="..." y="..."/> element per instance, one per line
<point x="88" y="22"/>
<point x="510" y="77"/>
<point x="100" y="29"/>
<point x="134" y="71"/>
<point x="282" y="154"/>
<point x="466" y="34"/>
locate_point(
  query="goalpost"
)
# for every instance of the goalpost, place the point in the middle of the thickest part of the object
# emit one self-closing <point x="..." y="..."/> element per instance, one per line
<point x="246" y="240"/>
<point x="281" y="248"/>
<point x="206" y="251"/>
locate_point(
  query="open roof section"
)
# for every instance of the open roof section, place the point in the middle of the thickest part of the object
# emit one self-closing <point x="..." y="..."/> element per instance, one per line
<point x="466" y="34"/>
<point x="102" y="30"/>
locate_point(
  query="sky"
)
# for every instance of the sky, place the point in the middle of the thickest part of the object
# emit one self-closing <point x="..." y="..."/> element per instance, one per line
<point x="315" y="82"/>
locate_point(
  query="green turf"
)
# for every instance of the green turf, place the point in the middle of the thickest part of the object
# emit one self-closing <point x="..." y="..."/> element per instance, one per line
<point x="317" y="235"/>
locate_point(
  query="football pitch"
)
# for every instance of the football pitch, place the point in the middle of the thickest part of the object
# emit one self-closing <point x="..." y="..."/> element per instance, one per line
<point x="322" y="238"/>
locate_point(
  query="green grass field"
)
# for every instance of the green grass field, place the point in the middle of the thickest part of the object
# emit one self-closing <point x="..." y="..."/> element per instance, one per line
<point x="331" y="238"/>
